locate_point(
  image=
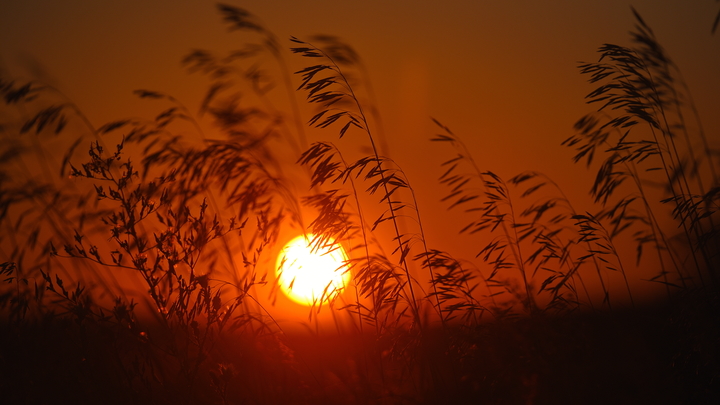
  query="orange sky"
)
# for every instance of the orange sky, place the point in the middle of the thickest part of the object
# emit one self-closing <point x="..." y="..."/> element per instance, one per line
<point x="502" y="75"/>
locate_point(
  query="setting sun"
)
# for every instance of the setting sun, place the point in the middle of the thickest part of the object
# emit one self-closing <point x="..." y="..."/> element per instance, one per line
<point x="310" y="275"/>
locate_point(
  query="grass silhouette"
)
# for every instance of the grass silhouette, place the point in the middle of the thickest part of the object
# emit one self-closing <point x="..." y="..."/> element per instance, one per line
<point x="143" y="269"/>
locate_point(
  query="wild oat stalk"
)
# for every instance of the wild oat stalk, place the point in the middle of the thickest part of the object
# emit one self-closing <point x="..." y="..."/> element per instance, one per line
<point x="225" y="71"/>
<point x="554" y="249"/>
<point x="38" y="202"/>
<point x="328" y="86"/>
<point x="493" y="204"/>
<point x="454" y="287"/>
<point x="602" y="248"/>
<point x="333" y="221"/>
<point x="640" y="85"/>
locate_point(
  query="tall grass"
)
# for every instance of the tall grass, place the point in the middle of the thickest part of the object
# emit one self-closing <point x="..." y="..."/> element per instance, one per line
<point x="642" y="126"/>
<point x="163" y="244"/>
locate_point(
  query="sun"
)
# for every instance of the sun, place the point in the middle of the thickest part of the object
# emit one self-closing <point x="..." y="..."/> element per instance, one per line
<point x="310" y="275"/>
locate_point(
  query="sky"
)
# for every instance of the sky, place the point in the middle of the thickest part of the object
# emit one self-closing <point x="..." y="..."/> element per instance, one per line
<point x="501" y="75"/>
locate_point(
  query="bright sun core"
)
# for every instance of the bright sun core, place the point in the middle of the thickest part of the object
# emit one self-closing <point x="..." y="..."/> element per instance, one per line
<point x="311" y="276"/>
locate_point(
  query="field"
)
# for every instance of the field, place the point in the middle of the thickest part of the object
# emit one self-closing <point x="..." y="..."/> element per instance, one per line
<point x="139" y="258"/>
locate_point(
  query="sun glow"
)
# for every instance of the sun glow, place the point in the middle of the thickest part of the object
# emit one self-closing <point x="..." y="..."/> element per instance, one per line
<point x="311" y="275"/>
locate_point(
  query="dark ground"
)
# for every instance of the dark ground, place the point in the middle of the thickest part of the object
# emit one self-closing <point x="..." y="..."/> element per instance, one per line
<point x="663" y="354"/>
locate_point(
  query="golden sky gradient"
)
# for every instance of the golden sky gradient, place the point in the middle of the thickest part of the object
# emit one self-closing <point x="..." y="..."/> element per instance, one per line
<point x="502" y="75"/>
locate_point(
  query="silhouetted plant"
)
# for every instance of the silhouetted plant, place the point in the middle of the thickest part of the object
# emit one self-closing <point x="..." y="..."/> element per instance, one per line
<point x="486" y="199"/>
<point x="328" y="86"/>
<point x="641" y="85"/>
